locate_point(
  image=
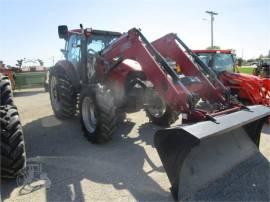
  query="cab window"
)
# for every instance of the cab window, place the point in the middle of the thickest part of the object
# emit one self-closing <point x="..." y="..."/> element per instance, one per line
<point x="74" y="52"/>
<point x="96" y="45"/>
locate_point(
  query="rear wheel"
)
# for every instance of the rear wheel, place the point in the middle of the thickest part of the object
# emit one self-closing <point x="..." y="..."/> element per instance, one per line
<point x="98" y="114"/>
<point x="5" y="91"/>
<point x="62" y="93"/>
<point x="12" y="142"/>
<point x="159" y="112"/>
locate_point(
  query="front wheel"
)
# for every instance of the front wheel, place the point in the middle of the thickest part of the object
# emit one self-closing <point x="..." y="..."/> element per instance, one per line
<point x="159" y="112"/>
<point x="98" y="114"/>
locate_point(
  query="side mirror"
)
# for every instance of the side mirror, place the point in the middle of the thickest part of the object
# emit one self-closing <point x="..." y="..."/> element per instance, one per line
<point x="62" y="31"/>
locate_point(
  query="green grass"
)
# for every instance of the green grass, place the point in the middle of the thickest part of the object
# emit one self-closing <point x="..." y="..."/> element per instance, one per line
<point x="246" y="69"/>
<point x="29" y="79"/>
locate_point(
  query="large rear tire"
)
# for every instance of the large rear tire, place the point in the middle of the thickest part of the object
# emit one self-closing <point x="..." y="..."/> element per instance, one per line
<point x="13" y="157"/>
<point x="6" y="97"/>
<point x="98" y="114"/>
<point x="62" y="94"/>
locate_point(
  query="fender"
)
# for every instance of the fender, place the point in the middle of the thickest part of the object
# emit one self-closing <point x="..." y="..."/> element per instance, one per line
<point x="69" y="69"/>
<point x="118" y="78"/>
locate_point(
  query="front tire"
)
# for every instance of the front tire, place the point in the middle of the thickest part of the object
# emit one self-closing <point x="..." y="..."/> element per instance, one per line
<point x="62" y="94"/>
<point x="98" y="114"/>
<point x="159" y="112"/>
<point x="165" y="120"/>
<point x="13" y="156"/>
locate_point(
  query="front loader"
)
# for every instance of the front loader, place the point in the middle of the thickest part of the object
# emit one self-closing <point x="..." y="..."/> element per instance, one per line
<point x="109" y="74"/>
<point x="195" y="155"/>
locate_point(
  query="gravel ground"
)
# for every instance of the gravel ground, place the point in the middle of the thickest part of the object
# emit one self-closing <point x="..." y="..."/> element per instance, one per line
<point x="126" y="169"/>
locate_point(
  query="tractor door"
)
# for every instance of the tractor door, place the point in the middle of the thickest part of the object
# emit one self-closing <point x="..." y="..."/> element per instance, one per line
<point x="74" y="51"/>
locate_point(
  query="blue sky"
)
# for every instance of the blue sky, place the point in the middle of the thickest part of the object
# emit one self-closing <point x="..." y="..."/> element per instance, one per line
<point x="29" y="27"/>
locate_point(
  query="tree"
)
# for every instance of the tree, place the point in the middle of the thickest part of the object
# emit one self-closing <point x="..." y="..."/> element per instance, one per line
<point x="19" y="63"/>
<point x="213" y="48"/>
<point x="2" y="65"/>
<point x="41" y="63"/>
<point x="239" y="62"/>
<point x="251" y="60"/>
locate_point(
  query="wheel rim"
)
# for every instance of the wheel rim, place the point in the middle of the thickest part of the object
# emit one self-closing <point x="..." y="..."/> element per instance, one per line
<point x="157" y="109"/>
<point x="54" y="93"/>
<point x="88" y="114"/>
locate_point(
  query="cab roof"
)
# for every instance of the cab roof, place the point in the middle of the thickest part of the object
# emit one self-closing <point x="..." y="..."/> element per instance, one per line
<point x="94" y="31"/>
<point x="214" y="51"/>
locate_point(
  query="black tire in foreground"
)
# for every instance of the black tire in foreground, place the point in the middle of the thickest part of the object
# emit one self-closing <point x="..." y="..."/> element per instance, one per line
<point x="98" y="114"/>
<point x="13" y="158"/>
<point x="62" y="94"/>
<point x="6" y="97"/>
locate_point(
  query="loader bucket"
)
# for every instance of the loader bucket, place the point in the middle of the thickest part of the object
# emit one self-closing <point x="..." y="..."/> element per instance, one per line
<point x="196" y="155"/>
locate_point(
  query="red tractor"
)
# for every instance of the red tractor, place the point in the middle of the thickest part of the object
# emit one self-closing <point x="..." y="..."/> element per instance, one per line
<point x="249" y="89"/>
<point x="108" y="74"/>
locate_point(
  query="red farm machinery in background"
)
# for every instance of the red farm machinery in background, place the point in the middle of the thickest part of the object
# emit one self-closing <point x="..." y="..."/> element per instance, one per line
<point x="249" y="89"/>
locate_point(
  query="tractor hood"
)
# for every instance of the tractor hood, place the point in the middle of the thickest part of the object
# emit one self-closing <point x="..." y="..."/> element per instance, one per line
<point x="132" y="64"/>
<point x="248" y="87"/>
<point x="234" y="77"/>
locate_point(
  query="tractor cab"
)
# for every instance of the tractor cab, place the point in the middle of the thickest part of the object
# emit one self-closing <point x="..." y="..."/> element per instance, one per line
<point x="83" y="46"/>
<point x="96" y="40"/>
<point x="218" y="60"/>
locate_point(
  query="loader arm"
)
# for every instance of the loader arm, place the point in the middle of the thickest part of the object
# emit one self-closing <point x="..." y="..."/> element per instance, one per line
<point x="133" y="45"/>
<point x="212" y="89"/>
<point x="198" y="154"/>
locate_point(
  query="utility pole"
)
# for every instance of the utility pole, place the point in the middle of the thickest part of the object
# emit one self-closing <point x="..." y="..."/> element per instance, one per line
<point x="212" y="13"/>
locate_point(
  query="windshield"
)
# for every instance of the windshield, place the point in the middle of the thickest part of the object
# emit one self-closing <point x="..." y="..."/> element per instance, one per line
<point x="218" y="61"/>
<point x="97" y="43"/>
